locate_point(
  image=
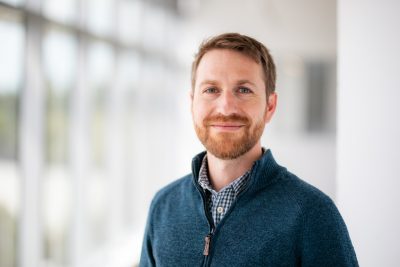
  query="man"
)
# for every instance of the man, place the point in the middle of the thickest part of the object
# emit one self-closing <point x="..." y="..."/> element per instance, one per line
<point x="238" y="207"/>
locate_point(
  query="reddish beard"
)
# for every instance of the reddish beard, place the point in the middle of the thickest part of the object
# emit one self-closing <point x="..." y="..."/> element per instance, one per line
<point x="229" y="145"/>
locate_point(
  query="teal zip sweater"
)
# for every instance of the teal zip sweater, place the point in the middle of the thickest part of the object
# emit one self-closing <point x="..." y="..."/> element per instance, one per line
<point x="277" y="220"/>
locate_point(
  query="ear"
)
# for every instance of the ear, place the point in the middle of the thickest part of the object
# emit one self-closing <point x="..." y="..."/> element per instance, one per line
<point x="271" y="106"/>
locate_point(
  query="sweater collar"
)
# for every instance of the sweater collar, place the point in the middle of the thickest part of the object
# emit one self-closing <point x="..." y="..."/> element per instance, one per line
<point x="264" y="171"/>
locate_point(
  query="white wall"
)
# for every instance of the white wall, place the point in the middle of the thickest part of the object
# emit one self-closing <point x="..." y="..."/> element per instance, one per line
<point x="368" y="127"/>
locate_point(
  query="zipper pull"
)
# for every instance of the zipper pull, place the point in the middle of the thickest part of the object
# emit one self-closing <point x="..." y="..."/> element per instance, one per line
<point x="207" y="240"/>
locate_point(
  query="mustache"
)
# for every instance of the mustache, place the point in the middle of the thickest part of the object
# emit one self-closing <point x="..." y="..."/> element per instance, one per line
<point x="230" y="118"/>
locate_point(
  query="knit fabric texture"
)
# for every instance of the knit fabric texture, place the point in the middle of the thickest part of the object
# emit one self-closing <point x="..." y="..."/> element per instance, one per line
<point x="277" y="220"/>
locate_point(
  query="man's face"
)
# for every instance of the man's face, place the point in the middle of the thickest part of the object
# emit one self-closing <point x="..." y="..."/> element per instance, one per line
<point x="229" y="105"/>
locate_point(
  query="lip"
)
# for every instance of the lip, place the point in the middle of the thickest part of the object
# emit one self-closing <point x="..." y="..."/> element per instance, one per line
<point x="227" y="127"/>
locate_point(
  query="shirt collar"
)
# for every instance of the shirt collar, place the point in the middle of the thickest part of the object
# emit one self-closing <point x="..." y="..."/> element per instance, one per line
<point x="204" y="181"/>
<point x="203" y="175"/>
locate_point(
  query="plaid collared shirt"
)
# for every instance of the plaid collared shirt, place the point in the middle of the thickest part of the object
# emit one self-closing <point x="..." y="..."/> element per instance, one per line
<point x="220" y="202"/>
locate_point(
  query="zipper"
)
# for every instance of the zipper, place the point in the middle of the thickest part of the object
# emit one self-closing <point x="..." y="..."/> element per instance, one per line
<point x="208" y="237"/>
<point x="207" y="246"/>
<point x="207" y="241"/>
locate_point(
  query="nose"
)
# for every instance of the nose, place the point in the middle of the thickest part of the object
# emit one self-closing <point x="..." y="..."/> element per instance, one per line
<point x="227" y="103"/>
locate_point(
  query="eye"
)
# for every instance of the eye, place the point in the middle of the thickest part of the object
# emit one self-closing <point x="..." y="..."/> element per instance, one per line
<point x="210" y="90"/>
<point x="244" y="90"/>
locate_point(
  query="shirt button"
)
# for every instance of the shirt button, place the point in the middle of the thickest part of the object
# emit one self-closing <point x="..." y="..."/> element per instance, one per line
<point x="220" y="209"/>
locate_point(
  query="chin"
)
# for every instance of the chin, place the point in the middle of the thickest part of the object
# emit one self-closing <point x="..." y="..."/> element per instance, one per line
<point x="228" y="149"/>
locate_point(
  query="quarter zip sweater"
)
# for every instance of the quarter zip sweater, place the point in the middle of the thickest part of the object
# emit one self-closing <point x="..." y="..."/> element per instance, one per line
<point x="277" y="220"/>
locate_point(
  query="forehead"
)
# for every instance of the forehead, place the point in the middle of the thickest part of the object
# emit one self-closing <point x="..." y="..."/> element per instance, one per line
<point x="224" y="63"/>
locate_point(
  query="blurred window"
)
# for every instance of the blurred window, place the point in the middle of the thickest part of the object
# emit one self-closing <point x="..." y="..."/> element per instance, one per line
<point x="61" y="10"/>
<point x="59" y="53"/>
<point x="130" y="14"/>
<point x="100" y="79"/>
<point x="154" y="22"/>
<point x="11" y="67"/>
<point x="14" y="2"/>
<point x="153" y="67"/>
<point x="100" y="16"/>
<point x="129" y="71"/>
<point x="92" y="63"/>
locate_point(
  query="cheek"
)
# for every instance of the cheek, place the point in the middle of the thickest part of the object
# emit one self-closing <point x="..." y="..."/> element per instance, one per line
<point x="257" y="111"/>
<point x="199" y="111"/>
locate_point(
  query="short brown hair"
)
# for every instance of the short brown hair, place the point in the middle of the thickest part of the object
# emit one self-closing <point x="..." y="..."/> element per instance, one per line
<point x="242" y="44"/>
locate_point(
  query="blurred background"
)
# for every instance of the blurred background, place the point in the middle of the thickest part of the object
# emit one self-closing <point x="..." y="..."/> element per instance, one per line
<point x="95" y="93"/>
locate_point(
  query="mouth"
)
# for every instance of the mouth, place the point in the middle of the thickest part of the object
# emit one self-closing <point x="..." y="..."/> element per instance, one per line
<point x="226" y="127"/>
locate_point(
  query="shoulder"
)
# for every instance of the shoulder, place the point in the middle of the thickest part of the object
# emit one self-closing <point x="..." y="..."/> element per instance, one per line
<point x="173" y="193"/>
<point x="323" y="236"/>
<point x="319" y="215"/>
<point x="303" y="191"/>
<point x="176" y="186"/>
<point x="310" y="200"/>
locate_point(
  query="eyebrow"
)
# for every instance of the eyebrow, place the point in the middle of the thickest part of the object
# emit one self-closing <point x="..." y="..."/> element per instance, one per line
<point x="241" y="82"/>
<point x="214" y="82"/>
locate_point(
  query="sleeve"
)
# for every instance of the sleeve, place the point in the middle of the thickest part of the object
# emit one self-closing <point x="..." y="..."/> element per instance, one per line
<point x="146" y="256"/>
<point x="325" y="239"/>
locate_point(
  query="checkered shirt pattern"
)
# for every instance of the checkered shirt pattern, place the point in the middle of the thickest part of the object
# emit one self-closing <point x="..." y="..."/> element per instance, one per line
<point x="220" y="202"/>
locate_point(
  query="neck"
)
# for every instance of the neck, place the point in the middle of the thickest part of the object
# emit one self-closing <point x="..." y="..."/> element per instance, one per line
<point x="222" y="172"/>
